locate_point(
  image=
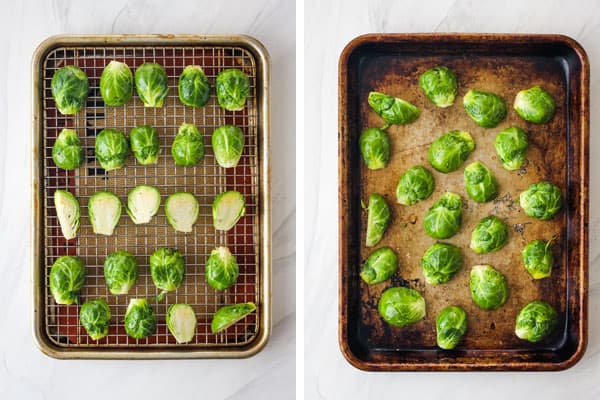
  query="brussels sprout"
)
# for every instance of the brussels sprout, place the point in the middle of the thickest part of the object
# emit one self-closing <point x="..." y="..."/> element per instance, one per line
<point x="536" y="321"/>
<point x="151" y="84"/>
<point x="538" y="259"/>
<point x="439" y="85"/>
<point x="144" y="144"/>
<point x="511" y="145"/>
<point x="116" y="84"/>
<point x="120" y="272"/>
<point x="392" y="109"/>
<point x="485" y="109"/>
<point x="167" y="268"/>
<point x="227" y="209"/>
<point x="441" y="262"/>
<point x="70" y="89"/>
<point x="535" y="105"/>
<point x="400" y="306"/>
<point x="67" y="152"/>
<point x="378" y="219"/>
<point x="140" y="321"/>
<point x="451" y="325"/>
<point x="67" y="211"/>
<point x="450" y="150"/>
<point x="479" y="182"/>
<point x="228" y="145"/>
<point x="143" y="202"/>
<point x="489" y="289"/>
<point x="182" y="211"/>
<point x="489" y="235"/>
<point x="94" y="316"/>
<point x="111" y="149"/>
<point x="380" y="266"/>
<point x="415" y="184"/>
<point x="181" y="321"/>
<point x="443" y="219"/>
<point x="194" y="88"/>
<point x="233" y="88"/>
<point x="229" y="315"/>
<point x="188" y="146"/>
<point x="221" y="269"/>
<point x="67" y="277"/>
<point x="375" y="148"/>
<point x="541" y="200"/>
<point x="104" y="210"/>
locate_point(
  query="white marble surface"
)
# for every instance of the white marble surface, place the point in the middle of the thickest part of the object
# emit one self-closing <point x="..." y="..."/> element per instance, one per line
<point x="329" y="27"/>
<point x="25" y="373"/>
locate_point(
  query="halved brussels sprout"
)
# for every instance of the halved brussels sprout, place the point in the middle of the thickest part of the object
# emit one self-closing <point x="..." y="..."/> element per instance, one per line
<point x="229" y="315"/>
<point x="144" y="144"/>
<point x="380" y="266"/>
<point x="378" y="219"/>
<point x="441" y="262"/>
<point x="392" y="109"/>
<point x="67" y="211"/>
<point x="538" y="258"/>
<point x="143" y="202"/>
<point x="415" y="184"/>
<point x="443" y="219"/>
<point x="67" y="277"/>
<point x="451" y="325"/>
<point x="70" y="89"/>
<point x="489" y="289"/>
<point x="511" y="145"/>
<point x="221" y="269"/>
<point x="480" y="183"/>
<point x="67" y="152"/>
<point x="489" y="235"/>
<point x="151" y="84"/>
<point x="400" y="306"/>
<point x="182" y="211"/>
<point x="485" y="109"/>
<point x="120" y="271"/>
<point x="375" y="148"/>
<point x="449" y="151"/>
<point x="541" y="200"/>
<point x="439" y="85"/>
<point x="188" y="146"/>
<point x="94" y="316"/>
<point x="104" y="210"/>
<point x="233" y="88"/>
<point x="167" y="268"/>
<point x="227" y="209"/>
<point x="140" y="321"/>
<point x="536" y="321"/>
<point x="112" y="149"/>
<point x="194" y="88"/>
<point x="228" y="144"/>
<point x="181" y="321"/>
<point x="535" y="105"/>
<point x="116" y="84"/>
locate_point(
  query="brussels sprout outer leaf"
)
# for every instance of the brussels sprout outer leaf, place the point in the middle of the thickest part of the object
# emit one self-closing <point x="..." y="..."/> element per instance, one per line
<point x="104" y="211"/>
<point x="392" y="109"/>
<point x="233" y="88"/>
<point x="167" y="268"/>
<point x="380" y="266"/>
<point x="489" y="289"/>
<point x="221" y="269"/>
<point x="480" y="183"/>
<point x="489" y="235"/>
<point x="375" y="148"/>
<point x="535" y="105"/>
<point x="536" y="321"/>
<point x="68" y="213"/>
<point x="441" y="262"/>
<point x="144" y="144"/>
<point x="538" y="259"/>
<point x="67" y="276"/>
<point x="415" y="184"/>
<point x="143" y="202"/>
<point x="112" y="149"/>
<point x="188" y="147"/>
<point x="140" y="321"/>
<point x="70" y="89"/>
<point x="120" y="272"/>
<point x="95" y="318"/>
<point x="67" y="152"/>
<point x="400" y="306"/>
<point x="378" y="219"/>
<point x="182" y="210"/>
<point x="541" y="200"/>
<point x="229" y="315"/>
<point x="444" y="217"/>
<point x="181" y="321"/>
<point x="484" y="108"/>
<point x="151" y="84"/>
<point x="116" y="84"/>
<point x="194" y="88"/>
<point x="228" y="144"/>
<point x="511" y="146"/>
<point x="451" y="325"/>
<point x="449" y="151"/>
<point x="227" y="209"/>
<point x="439" y="85"/>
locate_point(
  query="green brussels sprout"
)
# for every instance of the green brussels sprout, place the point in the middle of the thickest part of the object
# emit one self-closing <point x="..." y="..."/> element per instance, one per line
<point x="112" y="149"/>
<point x="400" y="306"/>
<point x="227" y="209"/>
<point x="116" y="84"/>
<point x="480" y="183"/>
<point x="511" y="145"/>
<point x="439" y="85"/>
<point x="67" y="276"/>
<point x="378" y="219"/>
<point x="67" y="152"/>
<point x="415" y="184"/>
<point x="143" y="202"/>
<point x="538" y="258"/>
<point x="541" y="200"/>
<point x="181" y="321"/>
<point x="228" y="144"/>
<point x="151" y="84"/>
<point x="120" y="272"/>
<point x="536" y="321"/>
<point x="182" y="211"/>
<point x="489" y="235"/>
<point x="94" y="316"/>
<point x="489" y="289"/>
<point x="380" y="266"/>
<point x="144" y="144"/>
<point x="70" y="89"/>
<point x="221" y="269"/>
<point x="67" y="211"/>
<point x="194" y="88"/>
<point x="485" y="109"/>
<point x="188" y="146"/>
<point x="229" y="315"/>
<point x="167" y="268"/>
<point x="392" y="109"/>
<point x="233" y="88"/>
<point x="443" y="219"/>
<point x="140" y="321"/>
<point x="441" y="262"/>
<point x="449" y="151"/>
<point x="104" y="210"/>
<point x="375" y="148"/>
<point x="535" y="105"/>
<point x="451" y="325"/>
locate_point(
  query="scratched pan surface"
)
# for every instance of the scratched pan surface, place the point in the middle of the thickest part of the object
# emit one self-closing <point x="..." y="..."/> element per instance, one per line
<point x="557" y="153"/>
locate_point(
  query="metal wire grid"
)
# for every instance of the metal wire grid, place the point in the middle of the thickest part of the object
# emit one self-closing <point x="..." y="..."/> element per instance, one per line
<point x="204" y="180"/>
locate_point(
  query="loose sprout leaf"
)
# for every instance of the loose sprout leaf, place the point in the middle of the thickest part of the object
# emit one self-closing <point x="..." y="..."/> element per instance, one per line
<point x="120" y="272"/>
<point x="116" y="84"/>
<point x="194" y="87"/>
<point x="67" y="276"/>
<point x="95" y="316"/>
<point x="227" y="209"/>
<point x="229" y="315"/>
<point x="444" y="217"/>
<point x="439" y="85"/>
<point x="111" y="148"/>
<point x="489" y="235"/>
<point x="441" y="262"/>
<point x="233" y="88"/>
<point x="228" y="144"/>
<point x="67" y="152"/>
<point x="140" y="321"/>
<point x="143" y="202"/>
<point x="375" y="148"/>
<point x="480" y="183"/>
<point x="182" y="210"/>
<point x="144" y="144"/>
<point x="68" y="213"/>
<point x="400" y="306"/>
<point x="188" y="147"/>
<point x="511" y="146"/>
<point x="167" y="268"/>
<point x="181" y="321"/>
<point x="416" y="184"/>
<point x="70" y="89"/>
<point x="489" y="289"/>
<point x="449" y="151"/>
<point x="536" y="321"/>
<point x="151" y="84"/>
<point x="104" y="211"/>
<point x="538" y="259"/>
<point x="221" y="269"/>
<point x="378" y="219"/>
<point x="484" y="108"/>
<point x="380" y="266"/>
<point x="451" y="325"/>
<point x="535" y="105"/>
<point x="392" y="109"/>
<point x="541" y="200"/>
